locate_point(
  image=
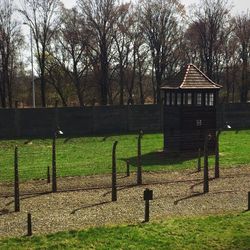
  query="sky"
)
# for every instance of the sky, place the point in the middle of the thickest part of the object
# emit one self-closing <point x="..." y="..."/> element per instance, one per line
<point x="238" y="5"/>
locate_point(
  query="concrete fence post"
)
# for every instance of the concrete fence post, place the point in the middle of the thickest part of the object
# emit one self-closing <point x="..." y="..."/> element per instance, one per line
<point x="217" y="156"/>
<point x="54" y="184"/>
<point x="114" y="187"/>
<point x="199" y="160"/>
<point x="206" y="177"/>
<point x="16" y="181"/>
<point x="139" y="160"/>
<point x="128" y="168"/>
<point x="29" y="225"/>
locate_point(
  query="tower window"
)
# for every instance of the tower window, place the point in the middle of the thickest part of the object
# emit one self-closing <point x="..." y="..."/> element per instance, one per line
<point x="179" y="99"/>
<point x="189" y="99"/>
<point x="198" y="99"/>
<point x="184" y="99"/>
<point x="198" y="123"/>
<point x="206" y="99"/>
<point x="167" y="99"/>
<point x="211" y="99"/>
<point x="173" y="99"/>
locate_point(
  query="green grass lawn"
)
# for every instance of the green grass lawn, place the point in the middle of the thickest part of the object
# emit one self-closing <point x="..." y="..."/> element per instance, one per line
<point x="92" y="155"/>
<point x="207" y="232"/>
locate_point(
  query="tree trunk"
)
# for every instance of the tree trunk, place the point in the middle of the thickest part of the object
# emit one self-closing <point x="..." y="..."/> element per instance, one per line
<point x="244" y="87"/>
<point x="153" y="85"/>
<point x="227" y="84"/>
<point x="9" y="90"/>
<point x="43" y="85"/>
<point x="104" y="73"/>
<point x="78" y="86"/>
<point x="3" y="89"/>
<point x="140" y="84"/>
<point x="130" y="89"/>
<point x="2" y="93"/>
<point x="121" y="85"/>
<point x="158" y="87"/>
<point x="79" y="94"/>
<point x="64" y="101"/>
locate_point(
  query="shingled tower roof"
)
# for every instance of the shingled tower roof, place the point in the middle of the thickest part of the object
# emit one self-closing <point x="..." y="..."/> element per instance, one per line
<point x="191" y="78"/>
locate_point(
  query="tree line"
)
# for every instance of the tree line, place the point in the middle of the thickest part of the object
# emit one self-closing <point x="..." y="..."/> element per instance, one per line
<point x="108" y="52"/>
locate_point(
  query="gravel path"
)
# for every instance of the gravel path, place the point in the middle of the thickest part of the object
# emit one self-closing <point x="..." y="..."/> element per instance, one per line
<point x="88" y="203"/>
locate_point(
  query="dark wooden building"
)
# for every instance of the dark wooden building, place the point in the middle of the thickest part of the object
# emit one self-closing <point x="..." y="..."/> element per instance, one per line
<point x="189" y="110"/>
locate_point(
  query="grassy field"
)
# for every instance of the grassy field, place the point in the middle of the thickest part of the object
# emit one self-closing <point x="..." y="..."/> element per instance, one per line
<point x="92" y="155"/>
<point x="207" y="232"/>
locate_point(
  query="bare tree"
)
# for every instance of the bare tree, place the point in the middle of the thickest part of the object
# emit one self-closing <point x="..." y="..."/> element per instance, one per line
<point x="141" y="64"/>
<point x="140" y="58"/>
<point x="242" y="32"/>
<point x="10" y="40"/>
<point x="123" y="45"/>
<point x="101" y="16"/>
<point x="230" y="62"/>
<point x="42" y="18"/>
<point x="69" y="48"/>
<point x="210" y="19"/>
<point x="159" y="23"/>
<point x="59" y="78"/>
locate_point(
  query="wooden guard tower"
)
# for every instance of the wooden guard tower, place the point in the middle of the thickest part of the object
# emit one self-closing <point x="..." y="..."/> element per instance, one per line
<point x="189" y="111"/>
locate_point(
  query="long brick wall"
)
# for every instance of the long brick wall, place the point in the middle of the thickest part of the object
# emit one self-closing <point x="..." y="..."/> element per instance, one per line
<point x="41" y="122"/>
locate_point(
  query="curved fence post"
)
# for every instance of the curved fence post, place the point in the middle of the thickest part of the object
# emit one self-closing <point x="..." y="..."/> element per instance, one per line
<point x="217" y="156"/>
<point x="206" y="181"/>
<point x="114" y="188"/>
<point x="54" y="184"/>
<point x="199" y="160"/>
<point x="16" y="181"/>
<point x="139" y="160"/>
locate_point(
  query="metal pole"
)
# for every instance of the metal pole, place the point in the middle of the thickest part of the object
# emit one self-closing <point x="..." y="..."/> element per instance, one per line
<point x="54" y="185"/>
<point x="32" y="70"/>
<point x="114" y="188"/>
<point x="16" y="184"/>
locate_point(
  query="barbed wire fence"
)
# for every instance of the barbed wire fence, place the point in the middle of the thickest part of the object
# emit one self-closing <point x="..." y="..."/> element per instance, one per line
<point x="35" y="174"/>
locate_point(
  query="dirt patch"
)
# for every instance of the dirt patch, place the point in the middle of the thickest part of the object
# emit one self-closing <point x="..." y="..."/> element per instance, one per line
<point x="87" y="201"/>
